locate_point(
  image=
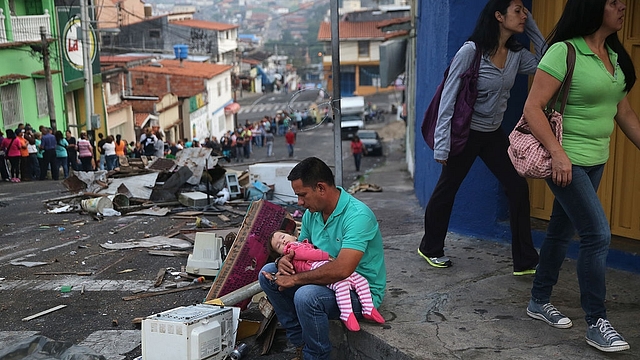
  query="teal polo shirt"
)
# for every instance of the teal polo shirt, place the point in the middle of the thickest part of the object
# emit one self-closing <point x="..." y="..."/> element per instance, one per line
<point x="352" y="225"/>
<point x="592" y="103"/>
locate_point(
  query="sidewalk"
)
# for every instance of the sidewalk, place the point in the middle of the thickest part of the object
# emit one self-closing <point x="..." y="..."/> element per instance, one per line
<point x="477" y="308"/>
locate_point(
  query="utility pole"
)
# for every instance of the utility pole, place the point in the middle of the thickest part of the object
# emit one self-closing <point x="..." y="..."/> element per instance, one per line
<point x="47" y="78"/>
<point x="87" y="66"/>
<point x="335" y="100"/>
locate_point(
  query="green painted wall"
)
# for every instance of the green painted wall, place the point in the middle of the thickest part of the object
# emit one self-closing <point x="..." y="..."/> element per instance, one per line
<point x="24" y="60"/>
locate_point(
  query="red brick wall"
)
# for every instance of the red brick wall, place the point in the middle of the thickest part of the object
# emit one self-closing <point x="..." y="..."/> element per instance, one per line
<point x="156" y="84"/>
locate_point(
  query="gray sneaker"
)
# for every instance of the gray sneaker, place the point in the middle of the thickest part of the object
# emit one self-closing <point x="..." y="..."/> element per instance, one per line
<point x="439" y="262"/>
<point x="549" y="314"/>
<point x="604" y="337"/>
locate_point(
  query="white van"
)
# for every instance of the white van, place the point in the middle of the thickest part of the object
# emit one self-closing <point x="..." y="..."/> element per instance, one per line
<point x="352" y="116"/>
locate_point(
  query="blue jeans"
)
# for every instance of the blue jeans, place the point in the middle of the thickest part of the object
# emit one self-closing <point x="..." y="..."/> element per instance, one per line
<point x="62" y="161"/>
<point x="111" y="161"/>
<point x="34" y="166"/>
<point x="358" y="160"/>
<point x="304" y="312"/>
<point x="576" y="208"/>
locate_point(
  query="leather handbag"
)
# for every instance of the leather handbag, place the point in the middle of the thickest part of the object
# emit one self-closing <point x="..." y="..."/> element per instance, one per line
<point x="529" y="157"/>
<point x="462" y="112"/>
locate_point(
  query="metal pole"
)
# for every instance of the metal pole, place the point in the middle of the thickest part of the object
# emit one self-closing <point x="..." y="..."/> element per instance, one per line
<point x="335" y="104"/>
<point x="47" y="78"/>
<point x="87" y="66"/>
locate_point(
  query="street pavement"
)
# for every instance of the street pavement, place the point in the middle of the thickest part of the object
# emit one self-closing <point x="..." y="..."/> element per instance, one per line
<point x="474" y="310"/>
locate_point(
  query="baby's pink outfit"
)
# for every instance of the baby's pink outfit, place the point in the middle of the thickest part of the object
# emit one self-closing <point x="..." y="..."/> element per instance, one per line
<point x="308" y="257"/>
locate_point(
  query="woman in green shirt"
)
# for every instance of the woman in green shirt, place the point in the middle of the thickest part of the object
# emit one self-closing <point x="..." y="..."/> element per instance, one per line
<point x="603" y="76"/>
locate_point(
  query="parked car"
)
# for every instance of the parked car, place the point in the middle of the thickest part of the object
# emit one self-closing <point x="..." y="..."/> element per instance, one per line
<point x="371" y="141"/>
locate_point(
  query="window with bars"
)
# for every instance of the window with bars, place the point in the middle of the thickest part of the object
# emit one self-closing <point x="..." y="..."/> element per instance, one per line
<point x="11" y="105"/>
<point x="41" y="96"/>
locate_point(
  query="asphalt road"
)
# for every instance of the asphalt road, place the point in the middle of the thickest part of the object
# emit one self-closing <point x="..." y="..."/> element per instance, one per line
<point x="69" y="243"/>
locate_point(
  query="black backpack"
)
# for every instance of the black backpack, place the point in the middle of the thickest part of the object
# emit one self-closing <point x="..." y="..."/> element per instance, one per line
<point x="149" y="146"/>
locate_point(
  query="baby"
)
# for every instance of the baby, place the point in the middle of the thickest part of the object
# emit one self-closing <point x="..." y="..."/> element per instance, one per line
<point x="308" y="257"/>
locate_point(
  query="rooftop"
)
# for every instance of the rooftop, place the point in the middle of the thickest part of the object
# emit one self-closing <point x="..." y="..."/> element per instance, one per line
<point x="352" y="31"/>
<point x="201" y="24"/>
<point x="184" y="68"/>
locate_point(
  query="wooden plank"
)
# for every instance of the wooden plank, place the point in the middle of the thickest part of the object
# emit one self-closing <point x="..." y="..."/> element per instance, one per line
<point x="67" y="197"/>
<point x="169" y="253"/>
<point x="164" y="292"/>
<point x="189" y="213"/>
<point x="223" y="218"/>
<point x="55" y="308"/>
<point x="234" y="211"/>
<point x="159" y="277"/>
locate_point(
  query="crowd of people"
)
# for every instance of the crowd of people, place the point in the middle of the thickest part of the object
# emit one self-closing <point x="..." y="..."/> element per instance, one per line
<point x="27" y="155"/>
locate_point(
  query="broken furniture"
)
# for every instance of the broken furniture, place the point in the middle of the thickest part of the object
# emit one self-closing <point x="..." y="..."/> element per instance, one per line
<point x="249" y="252"/>
<point x="206" y="259"/>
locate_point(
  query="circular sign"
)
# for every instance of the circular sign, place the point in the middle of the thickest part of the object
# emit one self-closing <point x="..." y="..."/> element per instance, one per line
<point x="74" y="47"/>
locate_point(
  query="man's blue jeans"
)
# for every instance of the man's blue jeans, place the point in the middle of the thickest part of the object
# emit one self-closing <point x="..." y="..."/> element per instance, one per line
<point x="304" y="312"/>
<point x="576" y="208"/>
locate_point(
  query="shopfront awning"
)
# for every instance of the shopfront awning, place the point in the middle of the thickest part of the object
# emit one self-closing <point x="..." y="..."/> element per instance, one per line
<point x="232" y="108"/>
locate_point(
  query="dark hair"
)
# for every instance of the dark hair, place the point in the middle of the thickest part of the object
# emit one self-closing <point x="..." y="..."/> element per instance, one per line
<point x="118" y="137"/>
<point x="272" y="252"/>
<point x="584" y="17"/>
<point x="486" y="34"/>
<point x="312" y="171"/>
<point x="10" y="134"/>
<point x="59" y="135"/>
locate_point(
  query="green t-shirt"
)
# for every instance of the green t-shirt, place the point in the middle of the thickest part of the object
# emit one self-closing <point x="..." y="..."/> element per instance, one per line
<point x="592" y="102"/>
<point x="352" y="225"/>
<point x="61" y="148"/>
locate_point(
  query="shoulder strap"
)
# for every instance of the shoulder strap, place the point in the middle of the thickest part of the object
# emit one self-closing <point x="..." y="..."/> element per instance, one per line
<point x="566" y="82"/>
<point x="476" y="59"/>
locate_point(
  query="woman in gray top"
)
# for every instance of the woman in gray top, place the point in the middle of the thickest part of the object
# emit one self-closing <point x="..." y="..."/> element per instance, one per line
<point x="503" y="58"/>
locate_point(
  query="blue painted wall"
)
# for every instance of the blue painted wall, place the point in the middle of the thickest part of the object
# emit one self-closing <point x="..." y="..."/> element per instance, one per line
<point x="481" y="208"/>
